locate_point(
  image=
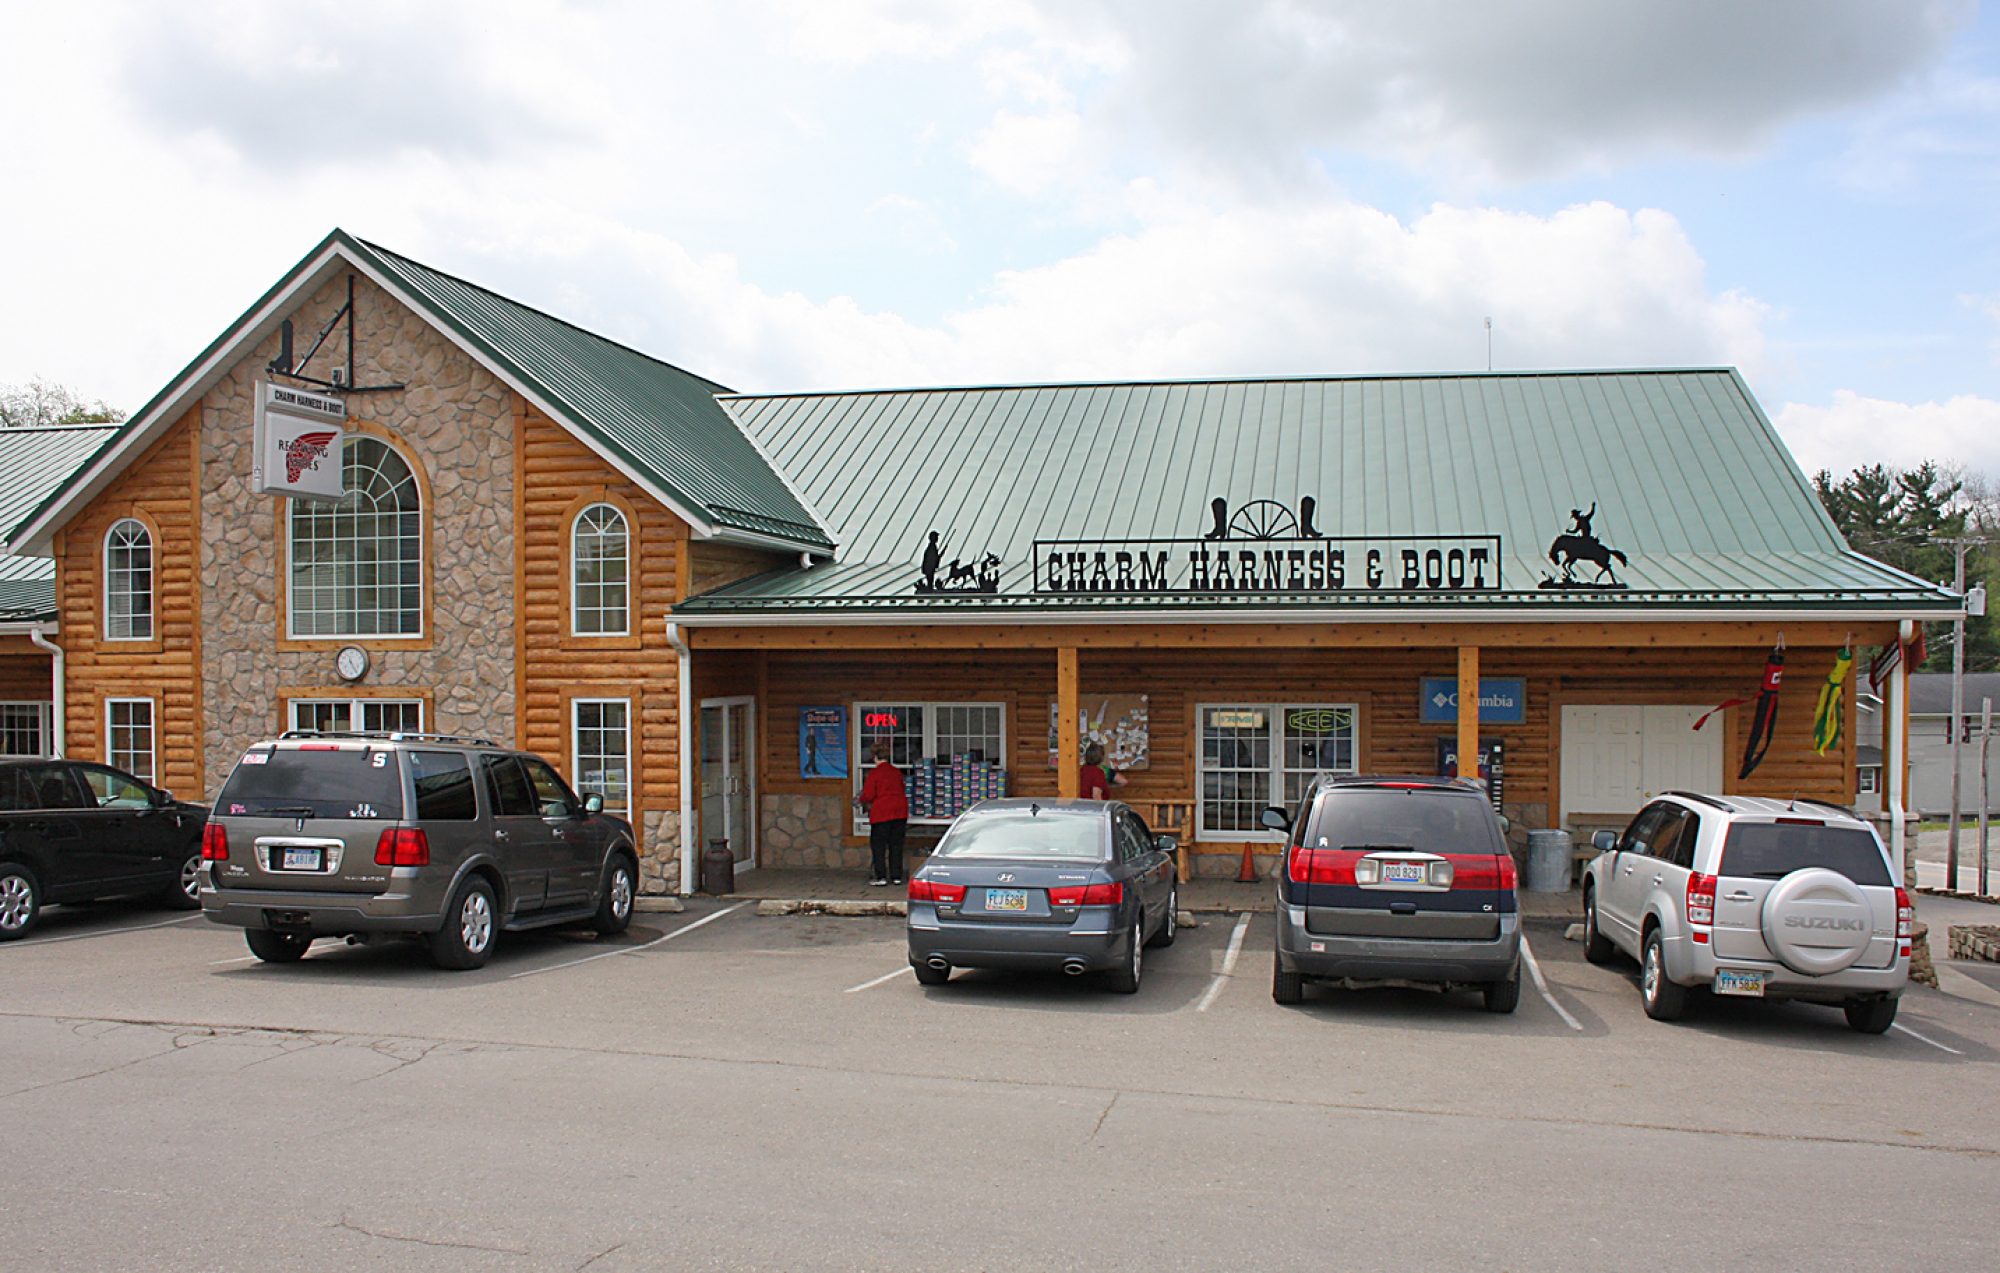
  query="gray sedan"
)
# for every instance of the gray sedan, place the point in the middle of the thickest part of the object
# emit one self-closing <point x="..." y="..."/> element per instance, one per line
<point x="1079" y="885"/>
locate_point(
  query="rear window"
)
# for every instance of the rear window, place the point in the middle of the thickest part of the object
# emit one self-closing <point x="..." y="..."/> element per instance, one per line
<point x="1020" y="834"/>
<point x="1773" y="850"/>
<point x="1429" y="821"/>
<point x="443" y="783"/>
<point x="348" y="782"/>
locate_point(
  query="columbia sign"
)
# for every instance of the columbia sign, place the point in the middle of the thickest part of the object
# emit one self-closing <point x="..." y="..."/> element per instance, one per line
<point x="299" y="437"/>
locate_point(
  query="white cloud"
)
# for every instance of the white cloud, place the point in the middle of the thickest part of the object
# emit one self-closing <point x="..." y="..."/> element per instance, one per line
<point x="1852" y="431"/>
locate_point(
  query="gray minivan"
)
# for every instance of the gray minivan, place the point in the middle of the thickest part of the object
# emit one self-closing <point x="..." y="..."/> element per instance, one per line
<point x="449" y="839"/>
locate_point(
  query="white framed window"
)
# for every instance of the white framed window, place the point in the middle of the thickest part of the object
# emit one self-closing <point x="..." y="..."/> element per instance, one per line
<point x="1254" y="755"/>
<point x="128" y="581"/>
<point x="601" y="750"/>
<point x="600" y="573"/>
<point x="1868" y="780"/>
<point x="359" y="715"/>
<point x="916" y="731"/>
<point x="357" y="563"/>
<point x="128" y="736"/>
<point x="25" y="728"/>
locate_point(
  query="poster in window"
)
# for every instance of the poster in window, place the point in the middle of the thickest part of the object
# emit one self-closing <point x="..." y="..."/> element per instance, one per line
<point x="822" y="742"/>
<point x="1118" y="723"/>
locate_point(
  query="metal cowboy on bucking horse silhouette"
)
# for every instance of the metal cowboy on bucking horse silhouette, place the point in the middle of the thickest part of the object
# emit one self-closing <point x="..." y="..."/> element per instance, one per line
<point x="1578" y="544"/>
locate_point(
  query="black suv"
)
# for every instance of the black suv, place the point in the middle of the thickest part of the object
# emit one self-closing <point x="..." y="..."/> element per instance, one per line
<point x="75" y="832"/>
<point x="1396" y="879"/>
<point x="423" y="835"/>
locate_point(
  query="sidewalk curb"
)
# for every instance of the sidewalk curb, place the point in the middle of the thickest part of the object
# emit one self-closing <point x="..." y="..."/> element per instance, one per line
<point x="658" y="905"/>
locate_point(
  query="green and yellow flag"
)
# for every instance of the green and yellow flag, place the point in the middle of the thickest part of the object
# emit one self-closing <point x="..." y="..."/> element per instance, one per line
<point x="1829" y="719"/>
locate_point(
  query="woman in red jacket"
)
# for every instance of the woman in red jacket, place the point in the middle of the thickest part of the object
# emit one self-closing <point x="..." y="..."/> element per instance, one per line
<point x="887" y="802"/>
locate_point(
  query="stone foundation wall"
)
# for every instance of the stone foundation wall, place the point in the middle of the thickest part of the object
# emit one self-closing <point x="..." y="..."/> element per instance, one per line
<point x="660" y="854"/>
<point x="801" y="832"/>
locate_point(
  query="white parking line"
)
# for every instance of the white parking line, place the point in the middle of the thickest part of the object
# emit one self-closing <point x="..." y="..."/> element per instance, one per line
<point x="1921" y="1039"/>
<point x="1228" y="964"/>
<point x="1535" y="971"/>
<point x="631" y="950"/>
<point x="100" y="932"/>
<point x="887" y="976"/>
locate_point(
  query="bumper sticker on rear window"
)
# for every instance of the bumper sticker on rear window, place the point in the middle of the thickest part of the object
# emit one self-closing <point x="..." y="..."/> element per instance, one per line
<point x="363" y="810"/>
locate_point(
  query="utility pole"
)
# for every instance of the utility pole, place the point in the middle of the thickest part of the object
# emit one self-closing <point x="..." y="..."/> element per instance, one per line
<point x="1959" y="547"/>
<point x="1985" y="789"/>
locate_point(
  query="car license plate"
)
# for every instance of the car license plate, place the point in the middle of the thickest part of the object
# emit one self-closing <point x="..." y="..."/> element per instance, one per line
<point x="1006" y="899"/>
<point x="1740" y="981"/>
<point x="300" y="860"/>
<point x="1402" y="872"/>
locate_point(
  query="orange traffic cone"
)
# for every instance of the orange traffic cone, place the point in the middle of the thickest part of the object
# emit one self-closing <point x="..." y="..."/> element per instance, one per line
<point x="1247" y="873"/>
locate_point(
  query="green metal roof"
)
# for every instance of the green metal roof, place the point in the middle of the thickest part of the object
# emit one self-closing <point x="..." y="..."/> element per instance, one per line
<point x="660" y="421"/>
<point x="33" y="463"/>
<point x="1689" y="478"/>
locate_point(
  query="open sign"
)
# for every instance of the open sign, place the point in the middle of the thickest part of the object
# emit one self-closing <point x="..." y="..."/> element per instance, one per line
<point x="880" y="720"/>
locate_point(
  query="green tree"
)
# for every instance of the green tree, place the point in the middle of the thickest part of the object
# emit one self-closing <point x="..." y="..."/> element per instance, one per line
<point x="1904" y="518"/>
<point x="40" y="404"/>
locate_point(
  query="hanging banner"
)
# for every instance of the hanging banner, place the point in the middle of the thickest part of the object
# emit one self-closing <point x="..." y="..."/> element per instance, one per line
<point x="822" y="742"/>
<point x="298" y="439"/>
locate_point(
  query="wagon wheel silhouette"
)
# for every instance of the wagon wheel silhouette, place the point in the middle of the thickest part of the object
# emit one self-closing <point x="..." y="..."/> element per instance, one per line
<point x="1264" y="519"/>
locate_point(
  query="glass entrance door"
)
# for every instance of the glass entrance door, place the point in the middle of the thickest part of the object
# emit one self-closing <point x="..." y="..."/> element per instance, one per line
<point x="728" y="810"/>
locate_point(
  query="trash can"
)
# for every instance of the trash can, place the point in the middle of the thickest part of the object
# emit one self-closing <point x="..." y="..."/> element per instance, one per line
<point x="718" y="868"/>
<point x="1549" y="860"/>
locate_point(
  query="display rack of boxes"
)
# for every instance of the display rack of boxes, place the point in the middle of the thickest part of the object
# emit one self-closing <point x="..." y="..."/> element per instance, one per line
<point x="949" y="789"/>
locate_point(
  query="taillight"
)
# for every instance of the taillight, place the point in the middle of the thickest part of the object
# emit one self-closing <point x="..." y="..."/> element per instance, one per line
<point x="403" y="846"/>
<point x="214" y="843"/>
<point x="1322" y="866"/>
<point x="1298" y="864"/>
<point x="1087" y="895"/>
<point x="1906" y="921"/>
<point x="1701" y="901"/>
<point x="931" y="891"/>
<point x="1507" y="875"/>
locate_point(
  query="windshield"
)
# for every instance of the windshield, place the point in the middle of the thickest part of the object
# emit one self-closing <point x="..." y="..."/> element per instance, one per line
<point x="1019" y="834"/>
<point x="343" y="782"/>
<point x="1773" y="850"/>
<point x="1425" y="819"/>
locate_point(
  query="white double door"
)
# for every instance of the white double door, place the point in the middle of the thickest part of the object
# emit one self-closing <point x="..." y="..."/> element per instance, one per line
<point x="728" y="804"/>
<point x="1617" y="757"/>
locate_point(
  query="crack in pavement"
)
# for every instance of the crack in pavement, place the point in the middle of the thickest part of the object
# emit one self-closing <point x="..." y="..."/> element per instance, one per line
<point x="1098" y="1126"/>
<point x="600" y="1255"/>
<point x="78" y="1078"/>
<point x="345" y="1223"/>
<point x="1032" y="1084"/>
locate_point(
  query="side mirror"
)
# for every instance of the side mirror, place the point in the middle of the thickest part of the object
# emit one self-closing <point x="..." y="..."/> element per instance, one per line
<point x="1276" y="819"/>
<point x="162" y="797"/>
<point x="593" y="803"/>
<point x="1604" y="841"/>
<point x="1166" y="843"/>
<point x="1506" y="824"/>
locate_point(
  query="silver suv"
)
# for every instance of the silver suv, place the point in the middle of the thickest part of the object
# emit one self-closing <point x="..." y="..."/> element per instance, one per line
<point x="448" y="839"/>
<point x="1747" y="896"/>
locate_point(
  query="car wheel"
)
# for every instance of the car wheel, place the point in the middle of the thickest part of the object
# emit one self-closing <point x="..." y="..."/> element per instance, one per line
<point x="185" y="892"/>
<point x="1597" y="948"/>
<point x="1286" y="987"/>
<point x="277" y="948"/>
<point x="20" y="901"/>
<point x="466" y="939"/>
<point x="1664" y="1000"/>
<point x="1504" y="996"/>
<point x="1125" y="980"/>
<point x="929" y="976"/>
<point x="1872" y="1016"/>
<point x="1170" y="926"/>
<point x="614" y="912"/>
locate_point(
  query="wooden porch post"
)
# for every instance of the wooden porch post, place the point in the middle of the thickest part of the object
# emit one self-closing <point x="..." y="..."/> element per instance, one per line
<point x="1468" y="711"/>
<point x="1069" y="741"/>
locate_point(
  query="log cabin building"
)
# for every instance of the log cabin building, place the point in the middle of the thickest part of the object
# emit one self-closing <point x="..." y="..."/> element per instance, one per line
<point x="707" y="605"/>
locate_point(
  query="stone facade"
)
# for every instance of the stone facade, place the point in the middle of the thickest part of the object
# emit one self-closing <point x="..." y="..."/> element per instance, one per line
<point x="454" y="421"/>
<point x="801" y="831"/>
<point x="660" y="850"/>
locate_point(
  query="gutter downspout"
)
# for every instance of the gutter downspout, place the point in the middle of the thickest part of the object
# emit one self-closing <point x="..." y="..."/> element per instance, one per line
<point x="56" y="713"/>
<point x="684" y="746"/>
<point x="1894" y="722"/>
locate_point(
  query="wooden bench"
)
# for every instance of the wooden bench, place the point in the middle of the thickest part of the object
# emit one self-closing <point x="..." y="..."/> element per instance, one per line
<point x="1175" y="818"/>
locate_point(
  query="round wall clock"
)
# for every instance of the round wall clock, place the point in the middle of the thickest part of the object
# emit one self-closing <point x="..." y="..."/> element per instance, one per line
<point x="351" y="663"/>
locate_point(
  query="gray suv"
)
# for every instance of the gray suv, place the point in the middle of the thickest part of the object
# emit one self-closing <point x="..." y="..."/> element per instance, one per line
<point x="1744" y="896"/>
<point x="447" y="839"/>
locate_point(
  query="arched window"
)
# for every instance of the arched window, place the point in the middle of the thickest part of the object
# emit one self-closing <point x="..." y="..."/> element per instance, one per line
<point x="600" y="571"/>
<point x="128" y="582"/>
<point x="357" y="563"/>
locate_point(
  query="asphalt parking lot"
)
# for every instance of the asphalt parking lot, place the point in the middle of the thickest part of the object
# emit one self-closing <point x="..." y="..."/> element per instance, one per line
<point x="715" y="1089"/>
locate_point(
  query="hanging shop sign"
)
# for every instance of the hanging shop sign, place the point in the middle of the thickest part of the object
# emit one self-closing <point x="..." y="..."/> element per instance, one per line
<point x="298" y="437"/>
<point x="1267" y="547"/>
<point x="1119" y="723"/>
<point x="1503" y="700"/>
<point x="822" y="742"/>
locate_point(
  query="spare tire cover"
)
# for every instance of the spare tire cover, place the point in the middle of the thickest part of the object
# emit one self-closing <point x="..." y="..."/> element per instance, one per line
<point x="1817" y="921"/>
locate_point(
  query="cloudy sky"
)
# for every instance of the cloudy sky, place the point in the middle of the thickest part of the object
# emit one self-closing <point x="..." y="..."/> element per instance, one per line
<point x="795" y="194"/>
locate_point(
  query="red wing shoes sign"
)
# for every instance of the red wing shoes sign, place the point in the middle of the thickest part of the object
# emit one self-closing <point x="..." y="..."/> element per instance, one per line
<point x="298" y="444"/>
